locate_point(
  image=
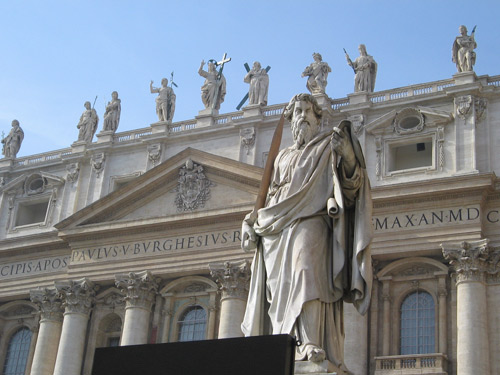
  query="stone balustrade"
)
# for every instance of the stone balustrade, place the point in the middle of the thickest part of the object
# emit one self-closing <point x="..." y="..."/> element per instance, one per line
<point x="419" y="364"/>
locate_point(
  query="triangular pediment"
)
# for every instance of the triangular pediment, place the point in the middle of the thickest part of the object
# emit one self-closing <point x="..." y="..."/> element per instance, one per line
<point x="191" y="186"/>
<point x="431" y="117"/>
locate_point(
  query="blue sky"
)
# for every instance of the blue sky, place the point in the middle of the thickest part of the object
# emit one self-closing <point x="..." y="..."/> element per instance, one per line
<point x="58" y="54"/>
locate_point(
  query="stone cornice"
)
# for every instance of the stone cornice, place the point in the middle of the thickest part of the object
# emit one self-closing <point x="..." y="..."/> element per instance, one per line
<point x="139" y="289"/>
<point x="77" y="295"/>
<point x="49" y="304"/>
<point x="232" y="277"/>
<point x="472" y="260"/>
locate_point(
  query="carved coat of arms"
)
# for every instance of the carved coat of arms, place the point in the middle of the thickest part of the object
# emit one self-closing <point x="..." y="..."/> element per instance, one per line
<point x="193" y="187"/>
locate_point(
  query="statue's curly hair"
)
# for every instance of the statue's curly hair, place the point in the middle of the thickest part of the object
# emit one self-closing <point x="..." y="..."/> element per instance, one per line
<point x="318" y="112"/>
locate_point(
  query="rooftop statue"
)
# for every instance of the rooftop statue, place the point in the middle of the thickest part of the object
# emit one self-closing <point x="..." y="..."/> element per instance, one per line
<point x="165" y="101"/>
<point x="213" y="90"/>
<point x="87" y="124"/>
<point x="365" y="69"/>
<point x="112" y="113"/>
<point x="317" y="72"/>
<point x="311" y="237"/>
<point x="259" y="84"/>
<point x="12" y="143"/>
<point x="462" y="52"/>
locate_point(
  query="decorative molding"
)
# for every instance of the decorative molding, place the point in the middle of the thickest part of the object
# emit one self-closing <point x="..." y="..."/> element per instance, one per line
<point x="78" y="296"/>
<point x="415" y="270"/>
<point x="139" y="289"/>
<point x="408" y="121"/>
<point x="193" y="187"/>
<point x="233" y="278"/>
<point x="247" y="138"/>
<point x="440" y="147"/>
<point x="49" y="304"/>
<point x="196" y="288"/>
<point x="379" y="149"/>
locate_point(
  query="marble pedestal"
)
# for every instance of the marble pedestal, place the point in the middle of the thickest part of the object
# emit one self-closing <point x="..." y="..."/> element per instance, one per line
<point x="318" y="368"/>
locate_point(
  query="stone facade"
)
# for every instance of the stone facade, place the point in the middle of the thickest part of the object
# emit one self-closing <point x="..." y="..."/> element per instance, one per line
<point x="97" y="239"/>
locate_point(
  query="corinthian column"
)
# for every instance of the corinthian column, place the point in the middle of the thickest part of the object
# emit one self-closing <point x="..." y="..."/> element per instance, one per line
<point x="78" y="298"/>
<point x="470" y="262"/>
<point x="233" y="281"/>
<point x="51" y="317"/>
<point x="140" y="290"/>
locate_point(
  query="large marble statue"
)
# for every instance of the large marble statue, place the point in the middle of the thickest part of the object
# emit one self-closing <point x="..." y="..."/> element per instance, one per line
<point x="87" y="124"/>
<point x="112" y="113"/>
<point x="259" y="84"/>
<point x="317" y="72"/>
<point x="213" y="90"/>
<point x="462" y="52"/>
<point x="365" y="69"/>
<point x="12" y="143"/>
<point x="312" y="238"/>
<point x="165" y="101"/>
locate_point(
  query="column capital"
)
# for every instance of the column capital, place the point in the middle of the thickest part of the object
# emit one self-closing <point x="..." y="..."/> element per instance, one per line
<point x="140" y="288"/>
<point x="471" y="260"/>
<point x="232" y="278"/>
<point x="77" y="295"/>
<point x="49" y="303"/>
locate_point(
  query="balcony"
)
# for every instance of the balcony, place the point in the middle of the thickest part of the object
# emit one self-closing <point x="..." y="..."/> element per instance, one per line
<point x="422" y="364"/>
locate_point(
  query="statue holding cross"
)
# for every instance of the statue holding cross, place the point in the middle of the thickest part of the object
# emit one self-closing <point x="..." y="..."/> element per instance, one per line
<point x="213" y="90"/>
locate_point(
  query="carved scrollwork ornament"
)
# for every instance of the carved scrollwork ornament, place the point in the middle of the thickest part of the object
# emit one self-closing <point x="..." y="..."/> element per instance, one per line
<point x="480" y="105"/>
<point x="247" y="138"/>
<point x="193" y="187"/>
<point x="408" y="121"/>
<point x="463" y="106"/>
<point x="73" y="171"/>
<point x="357" y="122"/>
<point x="97" y="163"/>
<point x="154" y="153"/>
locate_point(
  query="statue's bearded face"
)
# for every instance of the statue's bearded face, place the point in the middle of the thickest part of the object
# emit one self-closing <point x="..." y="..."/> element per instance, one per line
<point x="305" y="124"/>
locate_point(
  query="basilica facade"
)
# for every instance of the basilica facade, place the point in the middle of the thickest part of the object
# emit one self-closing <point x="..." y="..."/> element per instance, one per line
<point x="136" y="237"/>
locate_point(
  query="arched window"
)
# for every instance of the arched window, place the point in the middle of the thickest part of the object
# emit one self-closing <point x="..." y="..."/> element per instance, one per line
<point x="418" y="324"/>
<point x="17" y="352"/>
<point x="192" y="325"/>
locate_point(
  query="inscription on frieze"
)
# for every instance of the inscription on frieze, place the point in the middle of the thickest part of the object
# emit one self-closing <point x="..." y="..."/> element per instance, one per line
<point x="33" y="267"/>
<point x="156" y="247"/>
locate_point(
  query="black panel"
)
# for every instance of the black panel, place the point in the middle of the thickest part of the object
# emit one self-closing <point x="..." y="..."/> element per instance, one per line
<point x="260" y="355"/>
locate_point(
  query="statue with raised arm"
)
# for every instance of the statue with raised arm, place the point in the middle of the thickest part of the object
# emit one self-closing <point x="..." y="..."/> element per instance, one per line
<point x="365" y="69"/>
<point x="12" y="143"/>
<point x="87" y="125"/>
<point x="112" y="113"/>
<point x="213" y="90"/>
<point x="462" y="52"/>
<point x="311" y="238"/>
<point x="165" y="101"/>
<point x="317" y="72"/>
<point x="259" y="84"/>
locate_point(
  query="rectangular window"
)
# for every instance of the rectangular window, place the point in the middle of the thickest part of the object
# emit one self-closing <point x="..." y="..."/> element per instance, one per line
<point x="410" y="156"/>
<point x="31" y="213"/>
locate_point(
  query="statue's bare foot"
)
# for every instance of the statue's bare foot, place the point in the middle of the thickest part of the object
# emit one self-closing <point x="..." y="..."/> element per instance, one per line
<point x="316" y="355"/>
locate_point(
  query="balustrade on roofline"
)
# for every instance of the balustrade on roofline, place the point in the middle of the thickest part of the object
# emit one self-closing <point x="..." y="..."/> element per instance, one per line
<point x="42" y="158"/>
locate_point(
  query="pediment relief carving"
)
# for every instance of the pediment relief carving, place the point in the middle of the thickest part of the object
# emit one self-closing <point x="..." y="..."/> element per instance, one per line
<point x="408" y="120"/>
<point x="412" y="267"/>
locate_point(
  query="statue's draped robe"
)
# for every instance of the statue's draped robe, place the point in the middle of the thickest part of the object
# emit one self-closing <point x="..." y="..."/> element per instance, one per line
<point x="314" y="233"/>
<point x="213" y="90"/>
<point x="87" y="125"/>
<point x="112" y="115"/>
<point x="366" y="73"/>
<point x="12" y="143"/>
<point x="463" y="49"/>
<point x="259" y="84"/>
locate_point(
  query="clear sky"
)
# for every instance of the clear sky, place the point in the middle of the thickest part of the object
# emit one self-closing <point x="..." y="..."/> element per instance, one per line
<point x="57" y="54"/>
